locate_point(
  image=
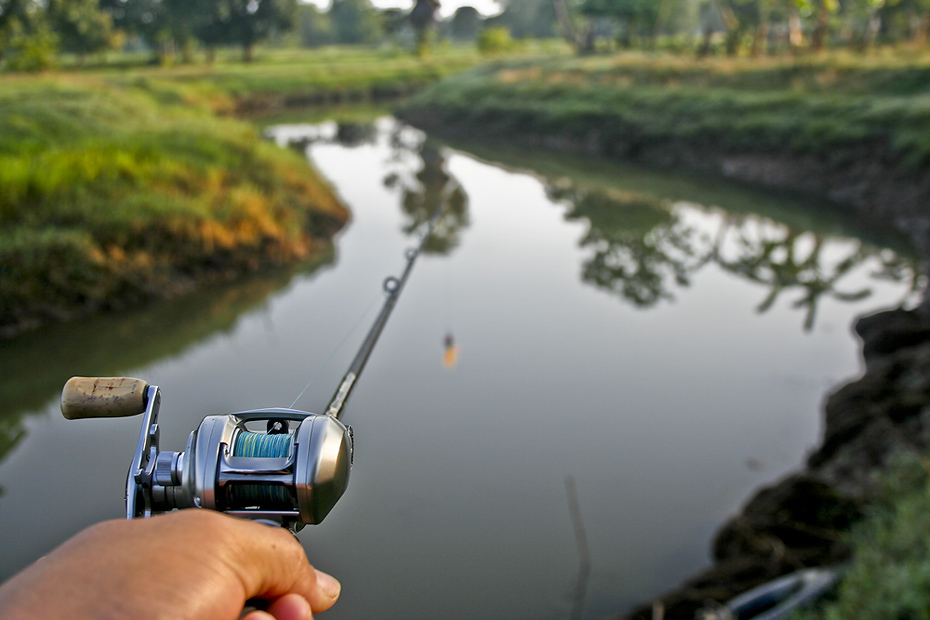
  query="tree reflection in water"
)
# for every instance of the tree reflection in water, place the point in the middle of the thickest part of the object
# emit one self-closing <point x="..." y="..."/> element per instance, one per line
<point x="426" y="190"/>
<point x="351" y="134"/>
<point x="637" y="244"/>
<point x="644" y="249"/>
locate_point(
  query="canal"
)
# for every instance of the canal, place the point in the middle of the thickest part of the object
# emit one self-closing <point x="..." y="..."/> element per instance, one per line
<point x="664" y="341"/>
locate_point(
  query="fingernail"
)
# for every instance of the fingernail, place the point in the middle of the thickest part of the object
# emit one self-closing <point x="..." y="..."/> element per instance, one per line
<point x="328" y="584"/>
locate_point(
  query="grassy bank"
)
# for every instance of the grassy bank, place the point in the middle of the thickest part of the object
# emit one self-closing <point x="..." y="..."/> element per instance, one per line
<point x="888" y="577"/>
<point x="294" y="77"/>
<point x="829" y="106"/>
<point x="110" y="195"/>
<point x="855" y="131"/>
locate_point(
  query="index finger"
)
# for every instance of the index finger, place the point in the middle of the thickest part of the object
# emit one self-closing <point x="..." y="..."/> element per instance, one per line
<point x="270" y="563"/>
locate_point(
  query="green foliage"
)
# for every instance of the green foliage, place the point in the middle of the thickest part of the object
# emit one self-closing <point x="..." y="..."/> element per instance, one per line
<point x="527" y="19"/>
<point x="465" y="23"/>
<point x="27" y="42"/>
<point x="32" y="52"/>
<point x="81" y="25"/>
<point x="494" y="40"/>
<point x="889" y="577"/>
<point x="354" y="21"/>
<point x="242" y="22"/>
<point x="314" y="26"/>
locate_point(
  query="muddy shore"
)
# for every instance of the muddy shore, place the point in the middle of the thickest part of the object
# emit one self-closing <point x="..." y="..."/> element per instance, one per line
<point x="800" y="521"/>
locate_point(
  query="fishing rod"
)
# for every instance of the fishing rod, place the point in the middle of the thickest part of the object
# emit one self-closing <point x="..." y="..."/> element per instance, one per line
<point x="393" y="287"/>
<point x="279" y="466"/>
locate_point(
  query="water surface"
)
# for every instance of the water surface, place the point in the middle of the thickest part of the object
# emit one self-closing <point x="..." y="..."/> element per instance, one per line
<point x="665" y="342"/>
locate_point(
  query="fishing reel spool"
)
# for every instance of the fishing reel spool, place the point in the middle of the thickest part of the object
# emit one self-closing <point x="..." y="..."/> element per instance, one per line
<point x="279" y="466"/>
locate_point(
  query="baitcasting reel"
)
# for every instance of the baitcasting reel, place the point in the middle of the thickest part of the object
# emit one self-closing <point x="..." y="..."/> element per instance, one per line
<point x="280" y="466"/>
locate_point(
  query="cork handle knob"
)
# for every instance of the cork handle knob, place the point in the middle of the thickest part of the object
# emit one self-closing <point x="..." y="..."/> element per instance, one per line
<point x="102" y="397"/>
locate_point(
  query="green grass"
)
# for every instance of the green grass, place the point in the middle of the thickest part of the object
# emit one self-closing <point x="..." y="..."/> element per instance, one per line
<point x="109" y="195"/>
<point x="889" y="577"/>
<point x="828" y="106"/>
<point x="294" y="76"/>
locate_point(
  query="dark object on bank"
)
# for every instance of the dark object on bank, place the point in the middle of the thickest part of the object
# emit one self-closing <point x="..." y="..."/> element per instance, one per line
<point x="777" y="599"/>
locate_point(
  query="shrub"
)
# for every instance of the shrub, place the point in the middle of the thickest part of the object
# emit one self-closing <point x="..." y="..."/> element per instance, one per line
<point x="494" y="40"/>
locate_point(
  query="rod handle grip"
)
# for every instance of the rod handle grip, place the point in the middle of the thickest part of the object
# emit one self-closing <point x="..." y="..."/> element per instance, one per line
<point x="102" y="397"/>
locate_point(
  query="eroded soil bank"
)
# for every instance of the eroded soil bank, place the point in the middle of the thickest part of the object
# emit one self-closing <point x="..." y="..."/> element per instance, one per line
<point x="801" y="521"/>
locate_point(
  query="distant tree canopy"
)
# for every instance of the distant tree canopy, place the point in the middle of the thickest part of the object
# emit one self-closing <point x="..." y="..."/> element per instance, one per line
<point x="314" y="26"/>
<point x="528" y="19"/>
<point x="238" y="22"/>
<point x="423" y="20"/>
<point x="354" y="21"/>
<point x="632" y="17"/>
<point x="81" y="26"/>
<point x="465" y="23"/>
<point x="33" y="31"/>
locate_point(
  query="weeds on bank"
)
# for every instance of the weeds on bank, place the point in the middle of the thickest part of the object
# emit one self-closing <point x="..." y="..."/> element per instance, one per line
<point x="889" y="577"/>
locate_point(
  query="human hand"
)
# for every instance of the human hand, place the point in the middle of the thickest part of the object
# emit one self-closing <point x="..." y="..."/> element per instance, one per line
<point x="191" y="564"/>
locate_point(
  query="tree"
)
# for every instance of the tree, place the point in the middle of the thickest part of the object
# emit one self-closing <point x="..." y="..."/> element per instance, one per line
<point x="465" y="23"/>
<point x="314" y="26"/>
<point x="821" y="10"/>
<point x="423" y="20"/>
<point x="136" y="17"/>
<point x="167" y="25"/>
<point x="81" y="26"/>
<point x="635" y="18"/>
<point x="526" y="19"/>
<point x="244" y="22"/>
<point x="354" y="21"/>
<point x="27" y="42"/>
<point x="394" y="22"/>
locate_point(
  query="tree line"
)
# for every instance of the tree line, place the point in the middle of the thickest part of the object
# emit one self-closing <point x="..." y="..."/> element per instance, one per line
<point x="703" y="26"/>
<point x="742" y="26"/>
<point x="33" y="30"/>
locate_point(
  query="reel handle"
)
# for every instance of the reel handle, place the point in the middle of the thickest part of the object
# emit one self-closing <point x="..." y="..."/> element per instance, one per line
<point x="103" y="397"/>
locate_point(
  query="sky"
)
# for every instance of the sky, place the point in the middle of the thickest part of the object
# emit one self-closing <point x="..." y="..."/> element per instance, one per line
<point x="485" y="7"/>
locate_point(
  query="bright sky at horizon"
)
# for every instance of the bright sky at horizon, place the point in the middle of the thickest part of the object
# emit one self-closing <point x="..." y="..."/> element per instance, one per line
<point x="447" y="9"/>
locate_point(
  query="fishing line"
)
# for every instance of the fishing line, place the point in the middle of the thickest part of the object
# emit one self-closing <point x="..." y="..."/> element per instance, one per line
<point x="337" y="349"/>
<point x="261" y="445"/>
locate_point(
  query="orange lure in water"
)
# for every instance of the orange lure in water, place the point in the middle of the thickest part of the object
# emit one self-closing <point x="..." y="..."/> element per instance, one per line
<point x="451" y="355"/>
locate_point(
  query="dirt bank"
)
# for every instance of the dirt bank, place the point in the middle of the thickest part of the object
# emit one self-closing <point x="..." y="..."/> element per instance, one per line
<point x="801" y="520"/>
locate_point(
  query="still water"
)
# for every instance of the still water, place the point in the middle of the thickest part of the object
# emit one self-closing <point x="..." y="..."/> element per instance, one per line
<point x="664" y="342"/>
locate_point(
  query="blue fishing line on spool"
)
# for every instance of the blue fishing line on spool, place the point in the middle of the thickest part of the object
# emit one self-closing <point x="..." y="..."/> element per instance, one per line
<point x="262" y="445"/>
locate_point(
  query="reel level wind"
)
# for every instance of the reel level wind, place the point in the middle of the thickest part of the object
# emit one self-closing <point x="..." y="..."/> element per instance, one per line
<point x="279" y="466"/>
